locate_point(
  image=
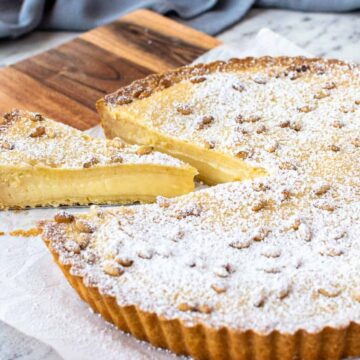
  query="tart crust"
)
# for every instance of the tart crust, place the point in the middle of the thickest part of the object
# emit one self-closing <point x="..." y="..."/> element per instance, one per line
<point x="204" y="342"/>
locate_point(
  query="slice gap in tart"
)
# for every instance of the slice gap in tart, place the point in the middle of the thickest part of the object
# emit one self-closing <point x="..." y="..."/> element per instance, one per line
<point x="46" y="163"/>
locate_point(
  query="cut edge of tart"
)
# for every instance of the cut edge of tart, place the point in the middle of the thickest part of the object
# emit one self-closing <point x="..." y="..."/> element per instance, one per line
<point x="46" y="163"/>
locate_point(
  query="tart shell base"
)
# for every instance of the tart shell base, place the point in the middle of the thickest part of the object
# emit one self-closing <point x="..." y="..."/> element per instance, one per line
<point x="204" y="342"/>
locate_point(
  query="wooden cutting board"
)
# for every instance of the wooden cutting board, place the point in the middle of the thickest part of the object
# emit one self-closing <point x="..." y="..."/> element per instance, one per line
<point x="65" y="82"/>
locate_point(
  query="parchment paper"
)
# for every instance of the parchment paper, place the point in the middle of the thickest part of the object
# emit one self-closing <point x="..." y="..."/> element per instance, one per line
<point x="36" y="299"/>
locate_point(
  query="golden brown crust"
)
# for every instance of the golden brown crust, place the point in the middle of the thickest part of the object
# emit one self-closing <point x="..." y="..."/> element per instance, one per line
<point x="203" y="342"/>
<point x="142" y="88"/>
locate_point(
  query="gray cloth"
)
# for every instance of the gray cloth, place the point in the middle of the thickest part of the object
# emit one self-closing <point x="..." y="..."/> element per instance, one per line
<point x="18" y="17"/>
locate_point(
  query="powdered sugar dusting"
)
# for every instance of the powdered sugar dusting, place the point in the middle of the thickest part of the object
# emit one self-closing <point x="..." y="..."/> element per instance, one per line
<point x="279" y="252"/>
<point x="61" y="146"/>
<point x="293" y="251"/>
<point x="266" y="115"/>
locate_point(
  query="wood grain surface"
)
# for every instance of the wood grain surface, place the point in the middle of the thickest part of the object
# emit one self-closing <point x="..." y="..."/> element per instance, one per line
<point x="65" y="82"/>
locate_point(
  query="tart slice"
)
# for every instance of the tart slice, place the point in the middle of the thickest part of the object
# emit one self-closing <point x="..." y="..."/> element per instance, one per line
<point x="43" y="162"/>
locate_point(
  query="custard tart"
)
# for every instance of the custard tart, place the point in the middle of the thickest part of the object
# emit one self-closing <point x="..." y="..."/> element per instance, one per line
<point x="263" y="268"/>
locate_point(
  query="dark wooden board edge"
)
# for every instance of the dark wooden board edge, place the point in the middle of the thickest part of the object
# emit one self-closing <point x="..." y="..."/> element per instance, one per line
<point x="65" y="82"/>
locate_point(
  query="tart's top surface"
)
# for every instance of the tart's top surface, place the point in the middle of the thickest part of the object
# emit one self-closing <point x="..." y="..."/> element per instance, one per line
<point x="279" y="252"/>
<point x="228" y="255"/>
<point x="269" y="112"/>
<point x="29" y="139"/>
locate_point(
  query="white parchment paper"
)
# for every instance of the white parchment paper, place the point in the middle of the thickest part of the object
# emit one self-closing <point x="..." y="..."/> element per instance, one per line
<point x="36" y="299"/>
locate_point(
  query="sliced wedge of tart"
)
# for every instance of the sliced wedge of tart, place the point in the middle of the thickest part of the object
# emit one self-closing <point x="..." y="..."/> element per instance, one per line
<point x="43" y="162"/>
<point x="224" y="118"/>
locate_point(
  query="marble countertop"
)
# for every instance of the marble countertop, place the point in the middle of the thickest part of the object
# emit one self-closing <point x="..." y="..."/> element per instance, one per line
<point x="327" y="35"/>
